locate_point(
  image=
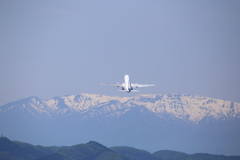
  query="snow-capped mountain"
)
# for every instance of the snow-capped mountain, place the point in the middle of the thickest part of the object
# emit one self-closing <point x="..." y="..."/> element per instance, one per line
<point x="187" y="107"/>
<point x="187" y="123"/>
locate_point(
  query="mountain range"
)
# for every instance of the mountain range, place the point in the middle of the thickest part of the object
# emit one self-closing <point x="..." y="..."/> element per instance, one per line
<point x="186" y="123"/>
<point x="15" y="150"/>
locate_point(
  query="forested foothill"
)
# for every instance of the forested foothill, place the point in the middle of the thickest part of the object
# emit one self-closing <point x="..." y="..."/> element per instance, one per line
<point x="15" y="150"/>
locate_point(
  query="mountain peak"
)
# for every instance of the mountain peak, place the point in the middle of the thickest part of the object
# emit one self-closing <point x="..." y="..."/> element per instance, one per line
<point x="4" y="141"/>
<point x="152" y="121"/>
<point x="186" y="107"/>
<point x="94" y="143"/>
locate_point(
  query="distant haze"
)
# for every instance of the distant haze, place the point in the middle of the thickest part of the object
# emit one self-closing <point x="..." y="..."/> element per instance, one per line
<point x="55" y="48"/>
<point x="186" y="123"/>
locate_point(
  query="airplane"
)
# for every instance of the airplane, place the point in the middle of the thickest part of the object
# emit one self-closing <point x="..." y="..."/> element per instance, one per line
<point x="128" y="86"/>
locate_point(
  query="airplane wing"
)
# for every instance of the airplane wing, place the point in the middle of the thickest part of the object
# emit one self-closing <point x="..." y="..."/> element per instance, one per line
<point x="110" y="84"/>
<point x="136" y="85"/>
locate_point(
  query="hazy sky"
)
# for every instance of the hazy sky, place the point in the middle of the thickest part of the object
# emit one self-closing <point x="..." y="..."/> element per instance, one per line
<point x="55" y="48"/>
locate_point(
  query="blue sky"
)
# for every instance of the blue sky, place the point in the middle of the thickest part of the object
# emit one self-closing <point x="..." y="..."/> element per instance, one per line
<point x="56" y="48"/>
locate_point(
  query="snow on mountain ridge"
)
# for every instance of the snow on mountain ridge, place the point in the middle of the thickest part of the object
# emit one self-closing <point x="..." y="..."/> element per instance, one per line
<point x="194" y="107"/>
<point x="187" y="107"/>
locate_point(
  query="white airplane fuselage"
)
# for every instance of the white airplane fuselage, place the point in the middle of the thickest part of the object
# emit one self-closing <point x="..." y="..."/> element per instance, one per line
<point x="127" y="84"/>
